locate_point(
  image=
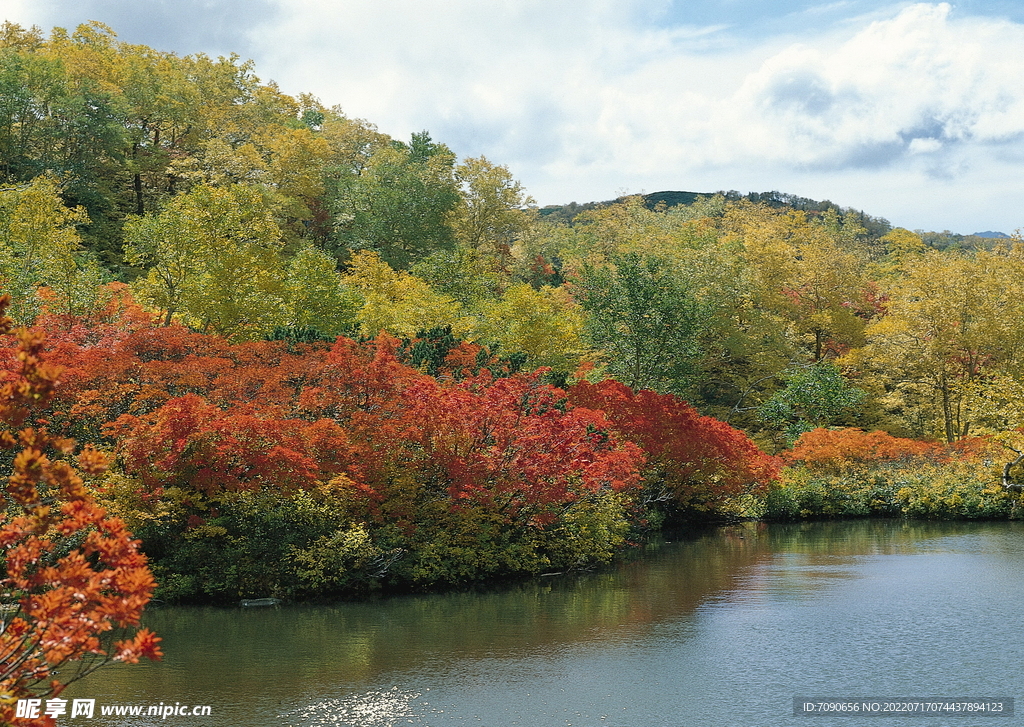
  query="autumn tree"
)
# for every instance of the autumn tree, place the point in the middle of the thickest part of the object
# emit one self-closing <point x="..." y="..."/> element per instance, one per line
<point x="807" y="272"/>
<point x="949" y="323"/>
<point x="73" y="578"/>
<point x="40" y="246"/>
<point x="398" y="302"/>
<point x="901" y="246"/>
<point x="492" y="212"/>
<point x="546" y="325"/>
<point x="213" y="257"/>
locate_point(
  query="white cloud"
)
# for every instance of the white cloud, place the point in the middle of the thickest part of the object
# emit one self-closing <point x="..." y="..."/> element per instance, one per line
<point x="585" y="100"/>
<point x="918" y="75"/>
<point x="908" y="110"/>
<point x="538" y="85"/>
<point x="924" y="146"/>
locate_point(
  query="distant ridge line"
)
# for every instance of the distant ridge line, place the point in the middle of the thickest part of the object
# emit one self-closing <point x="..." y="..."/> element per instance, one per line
<point x="992" y="234"/>
<point x="673" y="198"/>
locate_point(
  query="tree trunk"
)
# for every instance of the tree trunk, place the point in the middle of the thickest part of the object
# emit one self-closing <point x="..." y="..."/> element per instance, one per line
<point x="1008" y="482"/>
<point x="947" y="411"/>
<point x="140" y="208"/>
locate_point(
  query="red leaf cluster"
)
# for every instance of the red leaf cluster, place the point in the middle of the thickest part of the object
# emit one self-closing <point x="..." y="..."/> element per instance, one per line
<point x="193" y="411"/>
<point x="191" y="443"/>
<point x="196" y="412"/>
<point x="514" y="443"/>
<point x="72" y="576"/>
<point x="700" y="460"/>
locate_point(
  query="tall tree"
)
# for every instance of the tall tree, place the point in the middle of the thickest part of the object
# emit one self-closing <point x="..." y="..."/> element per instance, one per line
<point x="646" y="319"/>
<point x="808" y="272"/>
<point x="951" y="320"/>
<point x="214" y="259"/>
<point x="399" y="204"/>
<point x="493" y="211"/>
<point x="40" y="246"/>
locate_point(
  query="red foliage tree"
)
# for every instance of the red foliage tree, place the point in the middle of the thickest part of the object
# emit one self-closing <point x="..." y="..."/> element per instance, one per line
<point x="514" y="444"/>
<point x="196" y="445"/>
<point x="73" y="578"/>
<point x="510" y="444"/>
<point x="701" y="461"/>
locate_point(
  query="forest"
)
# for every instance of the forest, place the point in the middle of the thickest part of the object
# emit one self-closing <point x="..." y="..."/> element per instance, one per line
<point x="302" y="359"/>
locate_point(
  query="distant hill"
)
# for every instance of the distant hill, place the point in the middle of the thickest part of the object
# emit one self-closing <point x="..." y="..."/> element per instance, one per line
<point x="876" y="226"/>
<point x="947" y="240"/>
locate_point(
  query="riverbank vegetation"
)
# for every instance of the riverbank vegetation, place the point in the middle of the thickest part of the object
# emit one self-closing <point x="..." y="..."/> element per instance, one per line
<point x="324" y="361"/>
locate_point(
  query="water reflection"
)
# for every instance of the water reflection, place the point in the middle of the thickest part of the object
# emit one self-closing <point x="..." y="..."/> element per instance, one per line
<point x="374" y="708"/>
<point x="749" y="615"/>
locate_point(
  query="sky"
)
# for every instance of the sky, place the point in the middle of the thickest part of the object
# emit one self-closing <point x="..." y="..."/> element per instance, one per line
<point x="909" y="111"/>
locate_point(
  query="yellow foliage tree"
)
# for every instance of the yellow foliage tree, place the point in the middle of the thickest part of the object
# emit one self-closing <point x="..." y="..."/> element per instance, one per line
<point x="398" y="302"/>
<point x="546" y="325"/>
<point x="214" y="260"/>
<point x="40" y="246"/>
<point x="315" y="296"/>
<point x="493" y="212"/>
<point x="809" y="273"/>
<point x="951" y="321"/>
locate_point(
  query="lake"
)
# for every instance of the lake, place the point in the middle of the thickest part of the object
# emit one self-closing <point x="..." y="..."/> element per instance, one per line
<point x="726" y="628"/>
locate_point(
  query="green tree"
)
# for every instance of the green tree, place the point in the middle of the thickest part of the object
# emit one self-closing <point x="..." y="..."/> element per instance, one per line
<point x="814" y="396"/>
<point x="54" y="123"/>
<point x="315" y="296"/>
<point x="646" y="319"/>
<point x="493" y="211"/>
<point x="544" y="324"/>
<point x="40" y="246"/>
<point x="399" y="204"/>
<point x="462" y="273"/>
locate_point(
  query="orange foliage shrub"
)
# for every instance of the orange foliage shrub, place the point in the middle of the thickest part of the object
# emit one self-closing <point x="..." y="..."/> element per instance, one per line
<point x="513" y="443"/>
<point x="190" y="443"/>
<point x="196" y="412"/>
<point x="508" y="443"/>
<point x="73" y="577"/>
<point x="838" y="449"/>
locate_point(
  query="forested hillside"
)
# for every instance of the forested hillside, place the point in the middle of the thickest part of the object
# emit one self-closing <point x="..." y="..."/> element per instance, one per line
<point x="323" y="359"/>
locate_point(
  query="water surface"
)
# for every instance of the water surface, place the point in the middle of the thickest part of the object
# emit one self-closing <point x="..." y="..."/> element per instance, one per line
<point x="722" y="629"/>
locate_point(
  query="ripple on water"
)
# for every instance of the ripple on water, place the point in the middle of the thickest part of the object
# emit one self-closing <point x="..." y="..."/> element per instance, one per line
<point x="371" y="708"/>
